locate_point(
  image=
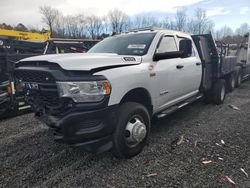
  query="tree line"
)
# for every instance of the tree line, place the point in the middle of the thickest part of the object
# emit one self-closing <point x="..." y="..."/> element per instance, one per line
<point x="116" y="21"/>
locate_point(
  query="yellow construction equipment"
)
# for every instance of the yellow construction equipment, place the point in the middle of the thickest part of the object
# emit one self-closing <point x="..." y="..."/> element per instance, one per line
<point x="21" y="35"/>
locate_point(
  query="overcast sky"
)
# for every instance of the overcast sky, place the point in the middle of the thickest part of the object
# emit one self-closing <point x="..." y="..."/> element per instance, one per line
<point x="222" y="12"/>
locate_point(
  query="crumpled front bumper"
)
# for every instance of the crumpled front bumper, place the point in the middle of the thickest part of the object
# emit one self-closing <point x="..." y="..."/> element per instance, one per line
<point x="91" y="129"/>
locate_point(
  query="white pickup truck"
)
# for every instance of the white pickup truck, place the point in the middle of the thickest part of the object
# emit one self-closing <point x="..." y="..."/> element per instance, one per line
<point x="105" y="99"/>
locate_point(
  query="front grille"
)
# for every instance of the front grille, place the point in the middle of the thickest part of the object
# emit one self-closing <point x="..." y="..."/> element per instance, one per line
<point x="34" y="76"/>
<point x="45" y="96"/>
<point x="49" y="99"/>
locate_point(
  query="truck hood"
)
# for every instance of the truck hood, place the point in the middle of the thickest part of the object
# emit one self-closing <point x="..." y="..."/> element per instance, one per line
<point x="87" y="61"/>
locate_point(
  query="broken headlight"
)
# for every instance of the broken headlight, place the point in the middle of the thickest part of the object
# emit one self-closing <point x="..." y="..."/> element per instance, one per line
<point x="89" y="91"/>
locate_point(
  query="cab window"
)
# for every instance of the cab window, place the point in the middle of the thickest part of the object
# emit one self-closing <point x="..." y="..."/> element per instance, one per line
<point x="167" y="44"/>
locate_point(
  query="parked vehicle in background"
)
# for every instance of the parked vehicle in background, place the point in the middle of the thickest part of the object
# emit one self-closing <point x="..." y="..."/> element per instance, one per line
<point x="243" y="58"/>
<point x="60" y="46"/>
<point x="105" y="99"/>
<point x="12" y="50"/>
<point x="25" y="36"/>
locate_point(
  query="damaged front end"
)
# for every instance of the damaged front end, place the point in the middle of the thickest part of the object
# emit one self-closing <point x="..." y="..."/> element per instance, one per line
<point x="86" y="124"/>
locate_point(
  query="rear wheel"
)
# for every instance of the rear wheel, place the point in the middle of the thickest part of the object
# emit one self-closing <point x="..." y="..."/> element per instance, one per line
<point x="207" y="98"/>
<point x="231" y="82"/>
<point x="132" y="130"/>
<point x="219" y="92"/>
<point x="238" y="78"/>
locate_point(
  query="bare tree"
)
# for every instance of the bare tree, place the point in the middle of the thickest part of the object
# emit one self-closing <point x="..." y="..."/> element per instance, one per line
<point x="117" y="20"/>
<point x="75" y="26"/>
<point x="94" y="26"/>
<point x="191" y="26"/>
<point x="243" y="29"/>
<point x="34" y="28"/>
<point x="71" y="26"/>
<point x="210" y="27"/>
<point x="201" y="20"/>
<point x="165" y="23"/>
<point x="141" y="21"/>
<point x="21" y="27"/>
<point x="137" y="22"/>
<point x="181" y="19"/>
<point x="105" y="24"/>
<point x="225" y="31"/>
<point x="200" y="23"/>
<point x="60" y="26"/>
<point x="5" y="26"/>
<point x="49" y="16"/>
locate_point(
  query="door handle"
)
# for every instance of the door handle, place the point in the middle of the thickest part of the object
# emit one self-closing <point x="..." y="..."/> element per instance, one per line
<point x="198" y="63"/>
<point x="179" y="66"/>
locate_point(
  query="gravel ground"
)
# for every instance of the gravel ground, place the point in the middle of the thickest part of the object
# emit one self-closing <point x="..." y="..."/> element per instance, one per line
<point x="29" y="156"/>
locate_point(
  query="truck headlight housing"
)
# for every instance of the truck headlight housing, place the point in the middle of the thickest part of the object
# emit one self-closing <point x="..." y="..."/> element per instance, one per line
<point x="89" y="91"/>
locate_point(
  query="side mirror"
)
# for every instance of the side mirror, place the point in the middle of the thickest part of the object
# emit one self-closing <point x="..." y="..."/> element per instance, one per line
<point x="185" y="50"/>
<point x="167" y="55"/>
<point x="185" y="47"/>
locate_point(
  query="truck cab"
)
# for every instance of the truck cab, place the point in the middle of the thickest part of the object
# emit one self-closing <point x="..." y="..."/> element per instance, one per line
<point x="104" y="99"/>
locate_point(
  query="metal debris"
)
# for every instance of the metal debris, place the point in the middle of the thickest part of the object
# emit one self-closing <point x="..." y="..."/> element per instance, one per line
<point x="150" y="175"/>
<point x="234" y="107"/>
<point x="222" y="142"/>
<point x="242" y="170"/>
<point x="229" y="180"/>
<point x="207" y="162"/>
<point x="220" y="158"/>
<point x="195" y="143"/>
<point x="217" y="144"/>
<point x="181" y="140"/>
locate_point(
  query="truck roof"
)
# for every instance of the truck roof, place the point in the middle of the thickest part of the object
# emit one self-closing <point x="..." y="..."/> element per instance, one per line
<point x="158" y="30"/>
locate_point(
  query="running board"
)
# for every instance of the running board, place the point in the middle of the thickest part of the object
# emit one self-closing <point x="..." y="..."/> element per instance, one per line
<point x="178" y="106"/>
<point x="24" y="107"/>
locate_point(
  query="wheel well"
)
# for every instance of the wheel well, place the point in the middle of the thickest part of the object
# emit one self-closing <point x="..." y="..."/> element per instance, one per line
<point x="141" y="96"/>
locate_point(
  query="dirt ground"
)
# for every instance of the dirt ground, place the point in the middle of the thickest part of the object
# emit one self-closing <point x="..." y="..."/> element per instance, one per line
<point x="30" y="157"/>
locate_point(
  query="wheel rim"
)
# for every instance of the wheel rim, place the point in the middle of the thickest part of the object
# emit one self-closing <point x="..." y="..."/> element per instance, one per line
<point x="233" y="83"/>
<point x="135" y="131"/>
<point x="223" y="91"/>
<point x="239" y="79"/>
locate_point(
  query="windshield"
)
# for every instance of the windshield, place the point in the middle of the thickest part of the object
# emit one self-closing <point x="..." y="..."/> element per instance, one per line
<point x="130" y="44"/>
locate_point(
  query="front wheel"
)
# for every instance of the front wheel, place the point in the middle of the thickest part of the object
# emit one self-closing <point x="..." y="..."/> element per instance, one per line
<point x="132" y="130"/>
<point x="4" y="108"/>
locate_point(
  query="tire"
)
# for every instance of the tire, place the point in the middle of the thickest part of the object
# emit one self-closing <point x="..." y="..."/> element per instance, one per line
<point x="123" y="147"/>
<point x="207" y="98"/>
<point x="238" y="78"/>
<point x="4" y="109"/>
<point x="231" y="82"/>
<point x="219" y="92"/>
<point x="2" y="112"/>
